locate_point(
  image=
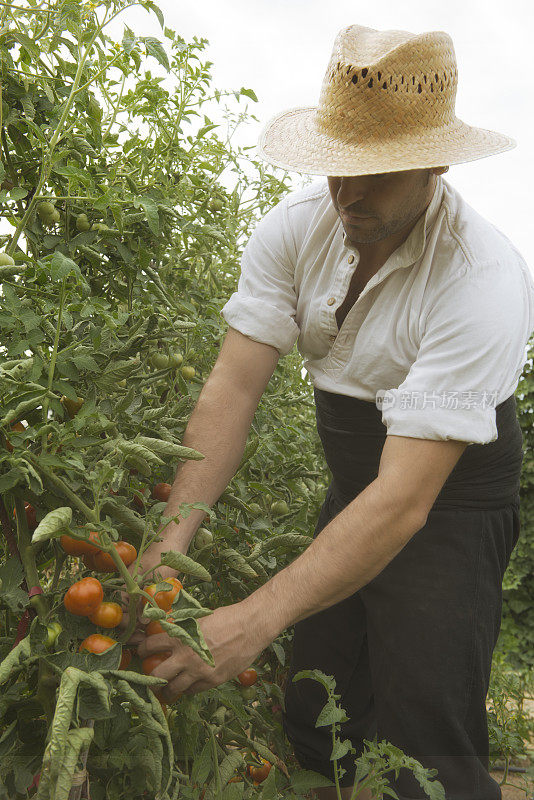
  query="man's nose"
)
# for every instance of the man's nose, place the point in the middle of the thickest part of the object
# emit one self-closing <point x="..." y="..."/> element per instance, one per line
<point x="352" y="190"/>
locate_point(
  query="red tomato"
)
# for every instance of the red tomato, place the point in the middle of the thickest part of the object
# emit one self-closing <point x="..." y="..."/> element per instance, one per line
<point x="75" y="547"/>
<point x="97" y="643"/>
<point x="107" y="615"/>
<point x="154" y="627"/>
<point x="153" y="661"/>
<point x="248" y="677"/>
<point x="126" y="657"/>
<point x="161" y="492"/>
<point x="84" y="597"/>
<point x="103" y="562"/>
<point x="163" y="599"/>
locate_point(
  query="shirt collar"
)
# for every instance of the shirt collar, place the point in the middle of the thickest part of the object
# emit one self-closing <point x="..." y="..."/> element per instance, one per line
<point x="413" y="247"/>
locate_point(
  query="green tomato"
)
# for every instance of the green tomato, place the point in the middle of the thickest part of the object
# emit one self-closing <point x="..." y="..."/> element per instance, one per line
<point x="175" y="359"/>
<point x="53" y="631"/>
<point x="279" y="508"/>
<point x="188" y="372"/>
<point x="203" y="538"/>
<point x="215" y="204"/>
<point x="6" y="261"/>
<point x="54" y="218"/>
<point x="248" y="693"/>
<point x="82" y="223"/>
<point x="99" y="226"/>
<point x="45" y="210"/>
<point x="255" y="509"/>
<point x="159" y="361"/>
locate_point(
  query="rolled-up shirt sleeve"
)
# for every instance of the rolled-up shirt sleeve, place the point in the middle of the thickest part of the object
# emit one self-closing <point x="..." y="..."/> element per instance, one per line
<point x="472" y="353"/>
<point x="264" y="305"/>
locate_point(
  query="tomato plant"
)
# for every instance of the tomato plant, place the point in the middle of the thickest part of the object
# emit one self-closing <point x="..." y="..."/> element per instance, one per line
<point x="161" y="492"/>
<point x="103" y="562"/>
<point x="163" y="598"/>
<point x="248" y="677"/>
<point x="78" y="547"/>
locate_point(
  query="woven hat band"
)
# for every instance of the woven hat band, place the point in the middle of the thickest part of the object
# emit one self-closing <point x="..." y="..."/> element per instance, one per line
<point x="390" y="89"/>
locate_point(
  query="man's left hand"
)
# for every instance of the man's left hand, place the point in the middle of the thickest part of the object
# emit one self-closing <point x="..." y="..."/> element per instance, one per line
<point x="234" y="639"/>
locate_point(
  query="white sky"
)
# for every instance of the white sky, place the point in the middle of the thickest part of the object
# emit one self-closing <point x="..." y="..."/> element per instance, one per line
<point x="280" y="49"/>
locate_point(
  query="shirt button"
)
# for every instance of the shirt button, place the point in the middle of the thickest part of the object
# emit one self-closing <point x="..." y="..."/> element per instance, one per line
<point x="331" y="301"/>
<point x="333" y="337"/>
<point x="351" y="259"/>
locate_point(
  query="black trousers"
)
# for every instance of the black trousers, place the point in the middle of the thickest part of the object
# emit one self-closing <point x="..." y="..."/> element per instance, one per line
<point x="411" y="651"/>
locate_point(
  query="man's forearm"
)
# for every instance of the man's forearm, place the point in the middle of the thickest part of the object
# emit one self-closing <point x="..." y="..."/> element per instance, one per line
<point x="218" y="429"/>
<point x="348" y="553"/>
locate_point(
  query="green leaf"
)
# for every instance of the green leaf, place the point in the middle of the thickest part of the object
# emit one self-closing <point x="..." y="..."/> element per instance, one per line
<point x="10" y="578"/>
<point x="183" y="563"/>
<point x="15" y="658"/>
<point x="156" y="49"/>
<point x="151" y="210"/>
<point x="55" y="523"/>
<point x="249" y="93"/>
<point x="165" y="448"/>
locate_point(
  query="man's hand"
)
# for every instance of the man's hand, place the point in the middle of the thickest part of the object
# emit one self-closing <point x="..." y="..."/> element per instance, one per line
<point x="231" y="635"/>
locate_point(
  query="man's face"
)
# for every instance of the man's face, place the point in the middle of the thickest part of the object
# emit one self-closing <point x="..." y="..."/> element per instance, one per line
<point x="389" y="201"/>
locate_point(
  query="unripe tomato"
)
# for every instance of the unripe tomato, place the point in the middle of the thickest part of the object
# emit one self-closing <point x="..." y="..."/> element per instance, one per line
<point x="161" y="492"/>
<point x="75" y="547"/>
<point x="84" y="597"/>
<point x="163" y="599"/>
<point x="248" y="693"/>
<point x="45" y="210"/>
<point x="279" y="508"/>
<point x="255" y="509"/>
<point x="248" y="677"/>
<point x="202" y="538"/>
<point x="54" y="218"/>
<point x="215" y="204"/>
<point x="97" y="643"/>
<point x="82" y="223"/>
<point x="53" y="631"/>
<point x="6" y="260"/>
<point x="104" y="562"/>
<point x="188" y="372"/>
<point x="159" y="360"/>
<point x="153" y="661"/>
<point x="259" y="774"/>
<point x="107" y="615"/>
<point x="126" y="657"/>
<point x="175" y="359"/>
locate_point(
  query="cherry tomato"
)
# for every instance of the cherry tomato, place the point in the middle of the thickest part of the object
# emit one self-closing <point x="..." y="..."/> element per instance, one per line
<point x="163" y="598"/>
<point x="97" y="643"/>
<point x="155" y="627"/>
<point x="103" y="562"/>
<point x="161" y="492"/>
<point x="259" y="774"/>
<point x="248" y="677"/>
<point x="31" y="518"/>
<point x="248" y="693"/>
<point x="126" y="657"/>
<point x="107" y="615"/>
<point x="84" y="597"/>
<point x="75" y="547"/>
<point x="153" y="661"/>
<point x="89" y="561"/>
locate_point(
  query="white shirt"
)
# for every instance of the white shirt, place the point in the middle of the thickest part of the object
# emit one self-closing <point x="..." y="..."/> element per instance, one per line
<point x="440" y="332"/>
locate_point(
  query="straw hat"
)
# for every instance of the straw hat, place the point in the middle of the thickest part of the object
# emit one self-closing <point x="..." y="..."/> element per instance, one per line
<point x="386" y="104"/>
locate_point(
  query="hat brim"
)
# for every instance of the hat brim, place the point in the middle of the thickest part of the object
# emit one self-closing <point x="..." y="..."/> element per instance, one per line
<point x="292" y="141"/>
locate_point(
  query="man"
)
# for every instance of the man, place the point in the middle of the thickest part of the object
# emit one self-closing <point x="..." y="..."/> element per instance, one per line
<point x="413" y="315"/>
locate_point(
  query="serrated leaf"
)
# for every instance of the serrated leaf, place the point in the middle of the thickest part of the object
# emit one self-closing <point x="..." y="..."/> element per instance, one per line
<point x="182" y="563"/>
<point x="156" y="49"/>
<point x="55" y="522"/>
<point x="165" y="448"/>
